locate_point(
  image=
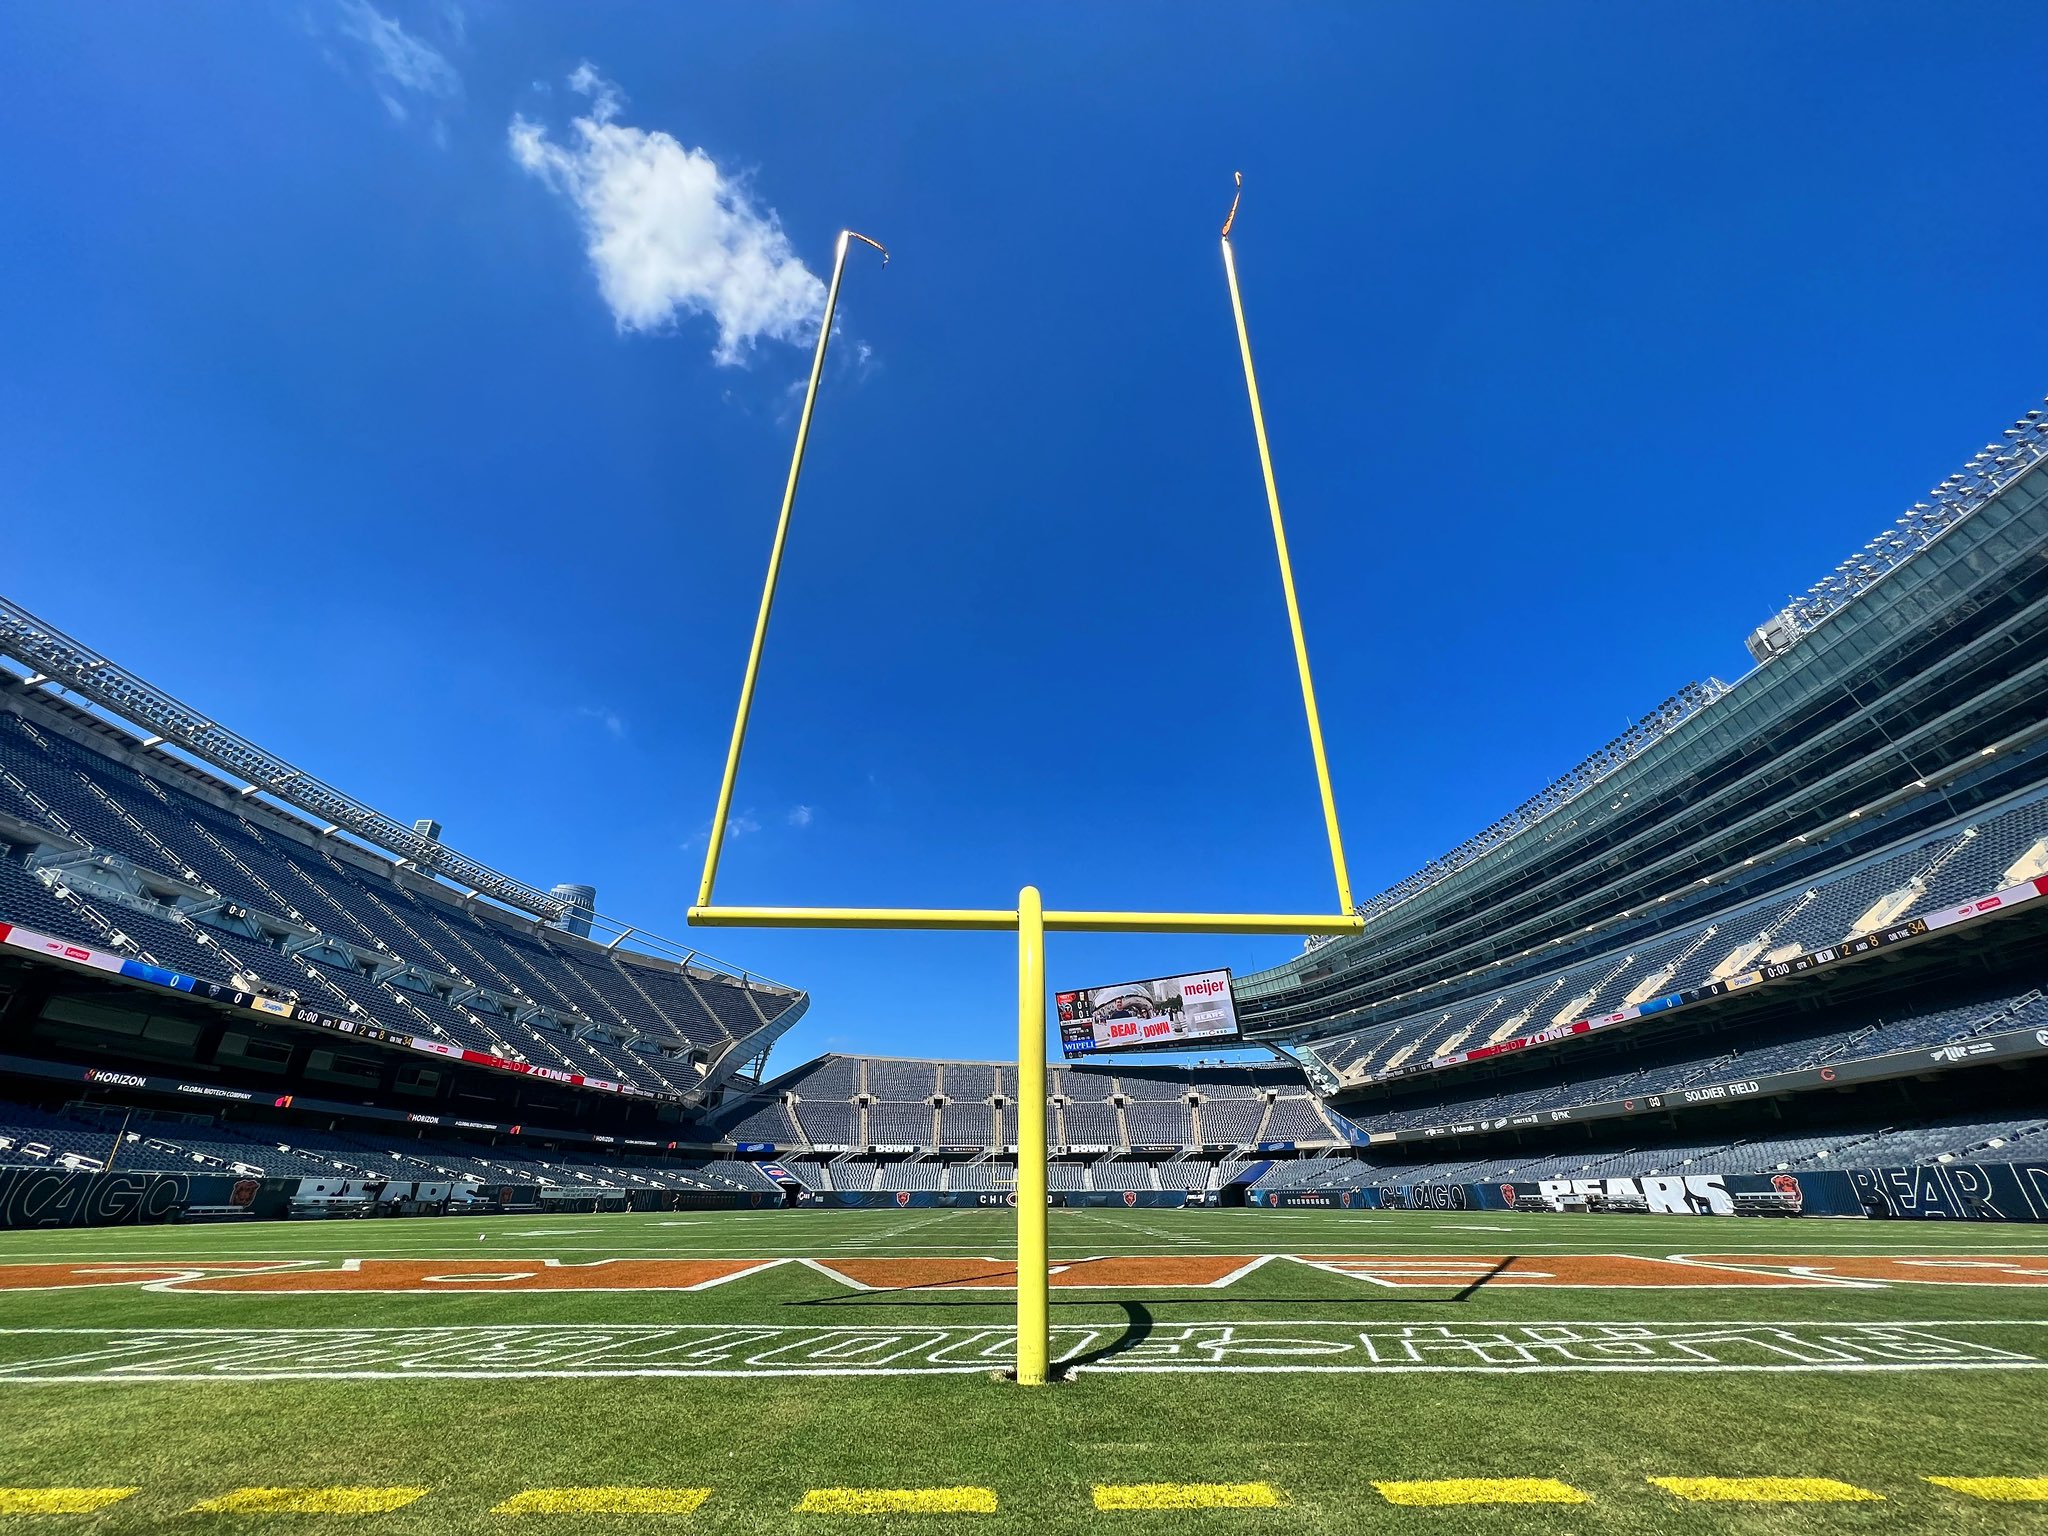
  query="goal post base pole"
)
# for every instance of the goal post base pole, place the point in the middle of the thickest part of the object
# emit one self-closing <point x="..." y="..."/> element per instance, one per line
<point x="1034" y="1340"/>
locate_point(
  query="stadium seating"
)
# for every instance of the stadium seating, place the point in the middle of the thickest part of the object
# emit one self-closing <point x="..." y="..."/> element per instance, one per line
<point x="1887" y="709"/>
<point x="982" y="1176"/>
<point x="1934" y="869"/>
<point x="1919" y="1142"/>
<point x="1191" y="1173"/>
<point x="910" y="1175"/>
<point x="888" y="1078"/>
<point x="1158" y="1123"/>
<point x="839" y="1102"/>
<point x="396" y="950"/>
<point x="1094" y="1125"/>
<point x="965" y="1124"/>
<point x="1115" y="1173"/>
<point x="1857" y="1033"/>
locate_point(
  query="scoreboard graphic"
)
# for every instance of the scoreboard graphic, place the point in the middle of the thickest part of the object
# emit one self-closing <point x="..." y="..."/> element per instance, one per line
<point x="1164" y="1013"/>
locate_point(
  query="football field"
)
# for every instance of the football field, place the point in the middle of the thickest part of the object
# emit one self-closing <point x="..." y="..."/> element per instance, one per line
<point x="821" y="1370"/>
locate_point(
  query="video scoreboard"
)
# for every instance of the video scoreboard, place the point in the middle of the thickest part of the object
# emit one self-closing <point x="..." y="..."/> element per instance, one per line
<point x="1164" y="1013"/>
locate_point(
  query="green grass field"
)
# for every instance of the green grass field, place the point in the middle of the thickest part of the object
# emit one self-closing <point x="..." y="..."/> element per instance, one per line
<point x="1319" y="1383"/>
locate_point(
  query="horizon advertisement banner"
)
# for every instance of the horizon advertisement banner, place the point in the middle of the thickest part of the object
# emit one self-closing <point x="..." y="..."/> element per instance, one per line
<point x="1163" y="1013"/>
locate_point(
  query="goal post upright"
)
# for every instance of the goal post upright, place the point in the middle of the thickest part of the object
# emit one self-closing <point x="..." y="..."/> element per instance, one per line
<point x="1029" y="920"/>
<point x="716" y="844"/>
<point x="1034" y="1263"/>
<point x="1308" y="687"/>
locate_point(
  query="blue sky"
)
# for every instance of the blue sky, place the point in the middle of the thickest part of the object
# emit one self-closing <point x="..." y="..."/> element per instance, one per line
<point x="355" y="392"/>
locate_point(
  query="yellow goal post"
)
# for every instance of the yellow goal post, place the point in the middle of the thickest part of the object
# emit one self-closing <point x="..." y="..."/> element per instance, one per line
<point x="1029" y="918"/>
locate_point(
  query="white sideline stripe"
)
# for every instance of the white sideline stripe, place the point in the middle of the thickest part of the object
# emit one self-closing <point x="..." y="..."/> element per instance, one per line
<point x="1836" y="1242"/>
<point x="1445" y="1269"/>
<point x="177" y="1248"/>
<point x="1178" y="1321"/>
<point x="982" y="1369"/>
<point x="1830" y="1367"/>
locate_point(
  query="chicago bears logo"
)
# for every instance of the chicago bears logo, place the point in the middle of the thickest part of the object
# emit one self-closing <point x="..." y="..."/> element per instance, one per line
<point x="1788" y="1185"/>
<point x="1507" y="1193"/>
<point x="903" y="1197"/>
<point x="1344" y="1199"/>
<point x="244" y="1192"/>
<point x="1130" y="1197"/>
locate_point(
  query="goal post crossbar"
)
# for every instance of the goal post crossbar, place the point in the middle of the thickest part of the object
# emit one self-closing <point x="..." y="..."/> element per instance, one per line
<point x="1028" y="919"/>
<point x="936" y="919"/>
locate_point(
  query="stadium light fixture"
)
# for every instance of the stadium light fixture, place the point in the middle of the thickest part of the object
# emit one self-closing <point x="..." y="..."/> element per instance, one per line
<point x="1029" y="919"/>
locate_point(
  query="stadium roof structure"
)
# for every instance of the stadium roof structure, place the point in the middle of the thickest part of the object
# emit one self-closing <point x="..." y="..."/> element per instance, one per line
<point x="1631" y="743"/>
<point x="55" y="658"/>
<point x="58" y="658"/>
<point x="1988" y="472"/>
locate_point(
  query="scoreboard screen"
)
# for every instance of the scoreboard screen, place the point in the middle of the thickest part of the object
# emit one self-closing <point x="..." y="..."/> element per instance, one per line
<point x="1165" y="1013"/>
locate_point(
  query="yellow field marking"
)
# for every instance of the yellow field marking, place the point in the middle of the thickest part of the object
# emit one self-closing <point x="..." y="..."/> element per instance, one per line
<point x="58" y="1501"/>
<point x="898" y="1501"/>
<point x="604" y="1501"/>
<point x="1483" y="1490"/>
<point x="1187" y="1496"/>
<point x="2006" y="1490"/>
<point x="1765" y="1490"/>
<point x="308" y="1501"/>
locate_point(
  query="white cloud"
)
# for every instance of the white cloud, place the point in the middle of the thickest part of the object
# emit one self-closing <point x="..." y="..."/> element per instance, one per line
<point x="738" y="824"/>
<point x="401" y="64"/>
<point x="800" y="815"/>
<point x="614" y="726"/>
<point x="668" y="232"/>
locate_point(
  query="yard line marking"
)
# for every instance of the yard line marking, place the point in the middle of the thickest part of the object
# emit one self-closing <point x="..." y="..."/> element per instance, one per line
<point x="1187" y="1496"/>
<point x="308" y="1501"/>
<point x="897" y="1501"/>
<point x="394" y="1276"/>
<point x="1765" y="1490"/>
<point x="1574" y="1271"/>
<point x="1919" y="1268"/>
<point x="1096" y="1272"/>
<point x="1264" y="1345"/>
<point x="1483" y="1490"/>
<point x="604" y="1501"/>
<point x="2005" y="1490"/>
<point x="59" y="1501"/>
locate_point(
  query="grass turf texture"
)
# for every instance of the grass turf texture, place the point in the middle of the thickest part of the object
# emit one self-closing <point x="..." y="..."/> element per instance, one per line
<point x="762" y="1443"/>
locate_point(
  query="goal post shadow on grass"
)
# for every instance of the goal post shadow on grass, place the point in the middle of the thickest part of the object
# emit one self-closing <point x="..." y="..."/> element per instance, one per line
<point x="1029" y="919"/>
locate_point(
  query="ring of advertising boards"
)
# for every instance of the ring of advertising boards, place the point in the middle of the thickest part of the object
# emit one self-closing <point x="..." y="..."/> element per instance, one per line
<point x="1163" y="1014"/>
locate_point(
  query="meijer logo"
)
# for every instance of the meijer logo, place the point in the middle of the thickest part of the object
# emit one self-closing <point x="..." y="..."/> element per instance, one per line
<point x="1202" y="988"/>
